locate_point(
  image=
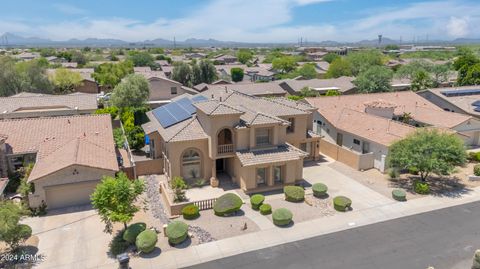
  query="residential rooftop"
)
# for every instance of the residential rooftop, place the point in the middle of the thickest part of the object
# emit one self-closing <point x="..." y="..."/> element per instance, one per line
<point x="59" y="142"/>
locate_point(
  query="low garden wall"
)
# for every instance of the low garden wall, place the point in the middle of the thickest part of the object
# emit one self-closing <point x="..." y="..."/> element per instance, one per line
<point x="175" y="209"/>
<point x="350" y="158"/>
<point x="149" y="167"/>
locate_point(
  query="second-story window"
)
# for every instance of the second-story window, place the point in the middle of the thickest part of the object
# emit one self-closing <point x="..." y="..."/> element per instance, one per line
<point x="173" y="90"/>
<point x="291" y="128"/>
<point x="263" y="136"/>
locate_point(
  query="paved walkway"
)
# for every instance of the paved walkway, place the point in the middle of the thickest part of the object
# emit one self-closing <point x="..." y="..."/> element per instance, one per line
<point x="262" y="222"/>
<point x="276" y="236"/>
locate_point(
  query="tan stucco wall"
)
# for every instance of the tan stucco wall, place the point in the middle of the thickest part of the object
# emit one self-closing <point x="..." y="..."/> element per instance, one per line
<point x="65" y="176"/>
<point x="88" y="87"/>
<point x="160" y="89"/>
<point x="176" y="150"/>
<point x="245" y="177"/>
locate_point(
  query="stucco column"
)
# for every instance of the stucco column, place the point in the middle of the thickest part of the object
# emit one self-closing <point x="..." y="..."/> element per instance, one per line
<point x="270" y="176"/>
<point x="214" y="182"/>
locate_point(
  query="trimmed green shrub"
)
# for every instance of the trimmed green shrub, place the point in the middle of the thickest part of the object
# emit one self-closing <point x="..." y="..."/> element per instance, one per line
<point x="177" y="232"/>
<point x="131" y="233"/>
<point x="265" y="209"/>
<point x="341" y="203"/>
<point x="476" y="170"/>
<point x="294" y="193"/>
<point x="319" y="189"/>
<point x="190" y="212"/>
<point x="227" y="204"/>
<point x="421" y="187"/>
<point x="257" y="200"/>
<point x="146" y="241"/>
<point x="282" y="217"/>
<point x="399" y="195"/>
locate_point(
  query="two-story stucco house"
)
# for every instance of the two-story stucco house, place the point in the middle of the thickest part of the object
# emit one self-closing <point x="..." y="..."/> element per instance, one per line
<point x="259" y="143"/>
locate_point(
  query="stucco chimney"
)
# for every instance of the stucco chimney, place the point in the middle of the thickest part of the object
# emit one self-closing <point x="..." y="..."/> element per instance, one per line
<point x="380" y="108"/>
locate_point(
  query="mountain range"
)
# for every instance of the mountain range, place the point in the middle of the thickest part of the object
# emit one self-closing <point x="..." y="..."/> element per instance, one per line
<point x="13" y="40"/>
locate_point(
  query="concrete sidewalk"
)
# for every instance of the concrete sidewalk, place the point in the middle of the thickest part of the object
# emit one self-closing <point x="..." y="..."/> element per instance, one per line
<point x="275" y="235"/>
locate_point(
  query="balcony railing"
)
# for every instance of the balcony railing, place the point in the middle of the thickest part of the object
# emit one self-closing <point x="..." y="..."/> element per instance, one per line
<point x="226" y="148"/>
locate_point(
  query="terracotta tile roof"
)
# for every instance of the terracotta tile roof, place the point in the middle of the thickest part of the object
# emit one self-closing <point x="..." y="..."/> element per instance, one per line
<point x="280" y="153"/>
<point x="380" y="130"/>
<point x="380" y="103"/>
<point x="214" y="107"/>
<point x="190" y="129"/>
<point x="419" y="108"/>
<point x="341" y="84"/>
<point x="258" y="118"/>
<point x="255" y="89"/>
<point x="27" y="102"/>
<point x="63" y="141"/>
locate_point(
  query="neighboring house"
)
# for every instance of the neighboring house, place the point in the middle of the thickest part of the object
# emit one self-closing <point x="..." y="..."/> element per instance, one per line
<point x="69" y="64"/>
<point x="316" y="56"/>
<point x="27" y="56"/>
<point x="34" y="105"/>
<point x="70" y="155"/>
<point x="89" y="85"/>
<point x="258" y="143"/>
<point x="267" y="89"/>
<point x="463" y="100"/>
<point x="342" y="84"/>
<point x="255" y="74"/>
<point x="195" y="55"/>
<point x="225" y="59"/>
<point x="167" y="70"/>
<point x="55" y="59"/>
<point x="162" y="89"/>
<point x="358" y="129"/>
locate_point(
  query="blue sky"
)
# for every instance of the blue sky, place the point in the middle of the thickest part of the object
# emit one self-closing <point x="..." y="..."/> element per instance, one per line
<point x="242" y="20"/>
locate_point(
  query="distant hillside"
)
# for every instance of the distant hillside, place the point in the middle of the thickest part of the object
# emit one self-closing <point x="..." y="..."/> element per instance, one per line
<point x="13" y="40"/>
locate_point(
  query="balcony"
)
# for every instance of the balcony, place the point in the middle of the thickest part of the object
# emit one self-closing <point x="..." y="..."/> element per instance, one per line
<point x="225" y="148"/>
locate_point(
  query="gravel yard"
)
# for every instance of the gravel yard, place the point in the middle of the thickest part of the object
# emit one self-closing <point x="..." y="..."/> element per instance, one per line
<point x="311" y="208"/>
<point x="221" y="227"/>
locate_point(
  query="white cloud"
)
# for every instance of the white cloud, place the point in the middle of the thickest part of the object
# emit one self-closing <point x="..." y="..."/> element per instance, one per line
<point x="270" y="21"/>
<point x="457" y="27"/>
<point x="68" y="9"/>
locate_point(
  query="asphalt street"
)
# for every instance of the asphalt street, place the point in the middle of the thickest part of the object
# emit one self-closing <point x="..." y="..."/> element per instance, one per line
<point x="444" y="239"/>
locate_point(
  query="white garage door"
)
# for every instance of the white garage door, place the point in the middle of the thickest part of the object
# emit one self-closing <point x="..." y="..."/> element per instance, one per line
<point x="69" y="194"/>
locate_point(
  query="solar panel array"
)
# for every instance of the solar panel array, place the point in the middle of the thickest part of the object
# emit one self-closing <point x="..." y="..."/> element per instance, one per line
<point x="460" y="92"/>
<point x="177" y="111"/>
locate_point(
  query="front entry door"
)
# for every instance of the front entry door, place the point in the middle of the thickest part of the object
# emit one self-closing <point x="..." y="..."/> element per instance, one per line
<point x="220" y="165"/>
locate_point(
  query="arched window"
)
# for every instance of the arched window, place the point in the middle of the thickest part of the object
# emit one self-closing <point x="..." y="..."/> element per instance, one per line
<point x="225" y="137"/>
<point x="191" y="164"/>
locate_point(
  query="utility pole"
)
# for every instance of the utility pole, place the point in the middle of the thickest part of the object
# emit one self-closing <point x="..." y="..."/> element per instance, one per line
<point x="174" y="43"/>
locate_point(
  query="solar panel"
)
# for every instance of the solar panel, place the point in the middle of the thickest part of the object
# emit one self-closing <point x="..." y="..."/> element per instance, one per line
<point x="177" y="111"/>
<point x="198" y="98"/>
<point x="476" y="103"/>
<point x="477" y="109"/>
<point x="186" y="104"/>
<point x="460" y="92"/>
<point x="164" y="117"/>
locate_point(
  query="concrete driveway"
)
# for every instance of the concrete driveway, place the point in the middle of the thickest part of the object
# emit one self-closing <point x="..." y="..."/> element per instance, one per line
<point x="71" y="238"/>
<point x="339" y="184"/>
